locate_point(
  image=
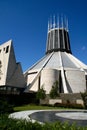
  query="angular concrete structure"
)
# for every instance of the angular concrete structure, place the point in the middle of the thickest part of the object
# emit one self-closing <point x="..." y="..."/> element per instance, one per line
<point x="11" y="75"/>
<point x="57" y="64"/>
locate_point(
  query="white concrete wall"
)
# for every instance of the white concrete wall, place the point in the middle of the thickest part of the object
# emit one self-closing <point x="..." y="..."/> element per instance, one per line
<point x="48" y="77"/>
<point x="34" y="87"/>
<point x="76" y="80"/>
<point x="10" y="72"/>
<point x="30" y="78"/>
<point x="4" y="58"/>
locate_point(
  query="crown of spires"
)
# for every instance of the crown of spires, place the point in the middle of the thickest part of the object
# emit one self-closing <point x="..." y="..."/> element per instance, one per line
<point x="58" y="37"/>
<point x="58" y="22"/>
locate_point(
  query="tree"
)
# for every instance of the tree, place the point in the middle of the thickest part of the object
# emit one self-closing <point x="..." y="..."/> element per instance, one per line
<point x="41" y="94"/>
<point x="54" y="91"/>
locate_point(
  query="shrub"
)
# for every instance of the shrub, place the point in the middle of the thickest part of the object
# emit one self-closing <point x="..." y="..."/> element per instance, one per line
<point x="41" y="94"/>
<point x="13" y="124"/>
<point x="68" y="105"/>
<point x="84" y="97"/>
<point x="5" y="107"/>
<point x="54" y="91"/>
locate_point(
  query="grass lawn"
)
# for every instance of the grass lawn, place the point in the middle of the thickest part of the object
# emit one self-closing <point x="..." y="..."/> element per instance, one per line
<point x="34" y="107"/>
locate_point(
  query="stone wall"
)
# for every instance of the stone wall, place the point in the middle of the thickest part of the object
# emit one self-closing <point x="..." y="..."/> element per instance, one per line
<point x="65" y="98"/>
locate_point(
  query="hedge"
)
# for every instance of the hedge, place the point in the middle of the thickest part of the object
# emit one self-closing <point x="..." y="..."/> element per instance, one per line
<point x="13" y="124"/>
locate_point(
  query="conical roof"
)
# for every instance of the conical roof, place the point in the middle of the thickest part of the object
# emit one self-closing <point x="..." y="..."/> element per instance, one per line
<point x="56" y="60"/>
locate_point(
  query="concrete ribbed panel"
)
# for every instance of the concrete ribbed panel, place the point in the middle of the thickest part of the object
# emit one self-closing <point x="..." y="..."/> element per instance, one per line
<point x="54" y="62"/>
<point x="76" y="80"/>
<point x="58" y="40"/>
<point x="40" y="63"/>
<point x="67" y="62"/>
<point x="77" y="62"/>
<point x="48" y="77"/>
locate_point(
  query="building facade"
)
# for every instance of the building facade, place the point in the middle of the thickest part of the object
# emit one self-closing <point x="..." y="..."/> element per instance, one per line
<point x="11" y="74"/>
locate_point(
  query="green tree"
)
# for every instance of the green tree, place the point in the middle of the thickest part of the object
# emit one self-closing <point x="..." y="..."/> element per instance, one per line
<point x="54" y="91"/>
<point x="41" y="94"/>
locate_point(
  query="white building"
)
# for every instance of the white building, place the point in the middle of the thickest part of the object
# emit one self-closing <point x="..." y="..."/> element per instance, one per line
<point x="57" y="65"/>
<point x="11" y="75"/>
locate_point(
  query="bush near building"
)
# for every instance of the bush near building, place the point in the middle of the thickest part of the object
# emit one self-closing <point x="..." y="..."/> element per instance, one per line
<point x="5" y="107"/>
<point x="54" y="91"/>
<point x="84" y="97"/>
<point x="41" y="94"/>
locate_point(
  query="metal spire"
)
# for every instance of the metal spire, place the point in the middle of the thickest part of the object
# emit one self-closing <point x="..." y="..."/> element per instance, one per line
<point x="58" y="23"/>
<point x="66" y="24"/>
<point x="51" y="23"/>
<point x="48" y="25"/>
<point x="62" y="23"/>
<point x="54" y="23"/>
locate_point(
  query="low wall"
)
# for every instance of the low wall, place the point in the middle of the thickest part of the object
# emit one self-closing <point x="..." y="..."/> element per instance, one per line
<point x="53" y="101"/>
<point x="65" y="98"/>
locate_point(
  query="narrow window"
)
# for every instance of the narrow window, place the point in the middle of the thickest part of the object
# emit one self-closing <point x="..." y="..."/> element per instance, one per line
<point x="0" y="64"/>
<point x="7" y="49"/>
<point x="4" y="49"/>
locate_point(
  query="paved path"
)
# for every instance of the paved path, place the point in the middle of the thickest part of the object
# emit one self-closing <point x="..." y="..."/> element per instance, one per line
<point x="79" y="116"/>
<point x="23" y="115"/>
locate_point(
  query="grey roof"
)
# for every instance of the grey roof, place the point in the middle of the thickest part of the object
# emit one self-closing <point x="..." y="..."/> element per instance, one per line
<point x="54" y="61"/>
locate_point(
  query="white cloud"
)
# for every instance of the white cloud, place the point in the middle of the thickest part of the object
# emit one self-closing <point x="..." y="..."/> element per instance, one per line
<point x="83" y="48"/>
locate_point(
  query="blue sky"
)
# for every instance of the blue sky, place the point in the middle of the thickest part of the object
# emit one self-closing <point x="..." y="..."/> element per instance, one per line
<point x="26" y="21"/>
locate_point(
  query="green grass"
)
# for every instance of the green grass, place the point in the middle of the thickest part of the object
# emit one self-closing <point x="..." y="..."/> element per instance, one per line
<point x="39" y="107"/>
<point x="34" y="107"/>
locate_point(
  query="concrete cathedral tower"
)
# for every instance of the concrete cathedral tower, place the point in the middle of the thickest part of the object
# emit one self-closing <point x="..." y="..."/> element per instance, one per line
<point x="58" y="64"/>
<point x="11" y="75"/>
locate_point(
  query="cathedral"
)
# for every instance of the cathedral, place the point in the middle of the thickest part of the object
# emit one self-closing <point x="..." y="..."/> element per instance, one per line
<point x="58" y="64"/>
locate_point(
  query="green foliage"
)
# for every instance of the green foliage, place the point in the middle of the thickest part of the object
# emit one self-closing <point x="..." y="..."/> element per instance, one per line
<point x="84" y="97"/>
<point x="13" y="124"/>
<point x="68" y="105"/>
<point x="34" y="107"/>
<point x="5" y="107"/>
<point x="41" y="94"/>
<point x="54" y="91"/>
